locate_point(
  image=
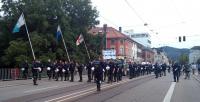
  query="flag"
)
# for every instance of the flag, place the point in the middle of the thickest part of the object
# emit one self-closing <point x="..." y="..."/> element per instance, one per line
<point x="58" y="33"/>
<point x="20" y="22"/>
<point x="79" y="40"/>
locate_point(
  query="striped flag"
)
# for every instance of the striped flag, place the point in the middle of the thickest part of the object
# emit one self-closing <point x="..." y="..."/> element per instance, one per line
<point x="79" y="40"/>
<point x="20" y="22"/>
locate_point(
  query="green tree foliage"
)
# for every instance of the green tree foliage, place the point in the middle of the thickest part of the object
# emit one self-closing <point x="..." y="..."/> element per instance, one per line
<point x="183" y="59"/>
<point x="42" y="18"/>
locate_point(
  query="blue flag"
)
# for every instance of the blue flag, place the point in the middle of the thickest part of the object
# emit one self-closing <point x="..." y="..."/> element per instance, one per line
<point x="19" y="23"/>
<point x="58" y="33"/>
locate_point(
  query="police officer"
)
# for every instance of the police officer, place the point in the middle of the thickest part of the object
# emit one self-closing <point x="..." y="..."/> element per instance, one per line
<point x="66" y="73"/>
<point x="176" y="71"/>
<point x="72" y="69"/>
<point x="49" y="69"/>
<point x="164" y="68"/>
<point x="25" y="69"/>
<point x="80" y="71"/>
<point x="89" y="71"/>
<point x="40" y="67"/>
<point x="35" y="71"/>
<point x="98" y="74"/>
<point x="110" y="72"/>
<point x="156" y="69"/>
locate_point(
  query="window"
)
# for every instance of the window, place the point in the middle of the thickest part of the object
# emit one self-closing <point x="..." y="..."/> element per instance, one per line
<point x="121" y="50"/>
<point x="121" y="41"/>
<point x="149" y="41"/>
<point x="112" y="41"/>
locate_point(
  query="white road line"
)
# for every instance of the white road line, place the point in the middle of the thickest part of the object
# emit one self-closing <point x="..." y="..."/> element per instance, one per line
<point x="40" y="89"/>
<point x="169" y="94"/>
<point x="92" y="91"/>
<point x="80" y="93"/>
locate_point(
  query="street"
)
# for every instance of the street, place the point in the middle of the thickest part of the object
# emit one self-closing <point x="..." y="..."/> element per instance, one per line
<point x="141" y="89"/>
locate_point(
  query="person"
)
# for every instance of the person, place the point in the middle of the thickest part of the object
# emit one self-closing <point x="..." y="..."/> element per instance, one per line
<point x="156" y="69"/>
<point x="176" y="71"/>
<point x="98" y="74"/>
<point x="110" y="72"/>
<point x="66" y="73"/>
<point x="164" y="68"/>
<point x="187" y="71"/>
<point x="89" y="71"/>
<point x="80" y="71"/>
<point x="35" y="71"/>
<point x="40" y="67"/>
<point x="198" y="68"/>
<point x="49" y="69"/>
<point x="72" y="69"/>
<point x="25" y="69"/>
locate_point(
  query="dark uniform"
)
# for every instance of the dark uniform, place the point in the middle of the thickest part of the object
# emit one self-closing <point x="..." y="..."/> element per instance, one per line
<point x="49" y="67"/>
<point x="164" y="68"/>
<point x="89" y="71"/>
<point x="98" y="74"/>
<point x="40" y="66"/>
<point x="110" y="72"/>
<point x="72" y="69"/>
<point x="80" y="71"/>
<point x="156" y="69"/>
<point x="176" y="72"/>
<point x="66" y="73"/>
<point x="35" y="71"/>
<point x="25" y="70"/>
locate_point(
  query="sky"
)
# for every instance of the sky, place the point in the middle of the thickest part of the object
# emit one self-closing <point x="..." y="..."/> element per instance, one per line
<point x="166" y="19"/>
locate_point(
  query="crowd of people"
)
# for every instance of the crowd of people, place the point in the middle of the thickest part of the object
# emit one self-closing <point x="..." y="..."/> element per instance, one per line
<point x="102" y="70"/>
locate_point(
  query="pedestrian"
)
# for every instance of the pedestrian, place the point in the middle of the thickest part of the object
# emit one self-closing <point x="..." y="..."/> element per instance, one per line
<point x="176" y="71"/>
<point x="98" y="74"/>
<point x="80" y="71"/>
<point x="35" y="71"/>
<point x="49" y="69"/>
<point x="89" y="71"/>
<point x="72" y="69"/>
<point x="66" y="73"/>
<point x="24" y="68"/>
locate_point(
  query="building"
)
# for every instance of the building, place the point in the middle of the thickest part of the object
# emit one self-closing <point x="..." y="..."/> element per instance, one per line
<point x="142" y="38"/>
<point x="115" y="39"/>
<point x="160" y="57"/>
<point x="148" y="55"/>
<point x="194" y="54"/>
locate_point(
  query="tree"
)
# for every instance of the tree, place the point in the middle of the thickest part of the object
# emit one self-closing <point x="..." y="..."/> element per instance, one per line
<point x="183" y="59"/>
<point x="42" y="18"/>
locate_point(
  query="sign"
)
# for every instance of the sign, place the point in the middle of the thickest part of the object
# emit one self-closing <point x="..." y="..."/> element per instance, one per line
<point x="109" y="54"/>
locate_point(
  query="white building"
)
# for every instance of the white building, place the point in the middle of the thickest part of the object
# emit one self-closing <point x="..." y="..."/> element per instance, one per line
<point x="194" y="54"/>
<point x="142" y="38"/>
<point x="160" y="57"/>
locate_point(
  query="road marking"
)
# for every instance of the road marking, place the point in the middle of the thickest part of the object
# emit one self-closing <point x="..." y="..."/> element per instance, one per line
<point x="169" y="94"/>
<point x="92" y="91"/>
<point x="81" y="93"/>
<point x="40" y="89"/>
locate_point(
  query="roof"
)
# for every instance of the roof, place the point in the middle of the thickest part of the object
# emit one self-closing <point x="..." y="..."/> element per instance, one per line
<point x="111" y="33"/>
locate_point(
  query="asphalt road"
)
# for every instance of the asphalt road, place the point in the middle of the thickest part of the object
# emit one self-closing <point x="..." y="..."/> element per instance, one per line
<point x="141" y="89"/>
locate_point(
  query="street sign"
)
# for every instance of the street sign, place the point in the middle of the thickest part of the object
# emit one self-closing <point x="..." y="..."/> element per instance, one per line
<point x="109" y="54"/>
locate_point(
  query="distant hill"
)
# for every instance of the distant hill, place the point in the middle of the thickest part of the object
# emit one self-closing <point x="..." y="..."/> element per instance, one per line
<point x="174" y="53"/>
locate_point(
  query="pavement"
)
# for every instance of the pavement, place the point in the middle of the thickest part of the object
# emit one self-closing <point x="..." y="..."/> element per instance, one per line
<point x="141" y="89"/>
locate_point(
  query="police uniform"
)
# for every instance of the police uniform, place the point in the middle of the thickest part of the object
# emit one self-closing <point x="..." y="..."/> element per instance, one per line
<point x="35" y="71"/>
<point x="72" y="69"/>
<point x="89" y="71"/>
<point x="176" y="72"/>
<point x="98" y="74"/>
<point x="80" y="70"/>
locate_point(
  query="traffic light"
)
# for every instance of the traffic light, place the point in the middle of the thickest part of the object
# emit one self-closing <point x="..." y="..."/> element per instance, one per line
<point x="184" y="38"/>
<point x="179" y="38"/>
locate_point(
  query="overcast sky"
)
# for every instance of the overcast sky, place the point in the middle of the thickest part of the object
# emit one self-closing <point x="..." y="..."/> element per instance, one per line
<point x="168" y="18"/>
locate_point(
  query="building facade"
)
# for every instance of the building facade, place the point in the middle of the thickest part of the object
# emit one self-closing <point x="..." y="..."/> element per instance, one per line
<point x="123" y="45"/>
<point x="142" y="38"/>
<point x="194" y="54"/>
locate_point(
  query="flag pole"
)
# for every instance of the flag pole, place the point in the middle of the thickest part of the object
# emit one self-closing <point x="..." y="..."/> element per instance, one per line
<point x="86" y="49"/>
<point x="29" y="38"/>
<point x="65" y="47"/>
